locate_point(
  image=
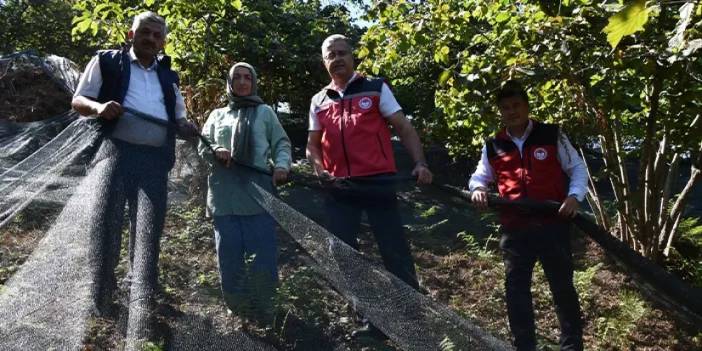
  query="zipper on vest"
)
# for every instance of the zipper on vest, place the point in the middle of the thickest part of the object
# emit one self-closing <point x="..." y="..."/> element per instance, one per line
<point x="521" y="158"/>
<point x="343" y="141"/>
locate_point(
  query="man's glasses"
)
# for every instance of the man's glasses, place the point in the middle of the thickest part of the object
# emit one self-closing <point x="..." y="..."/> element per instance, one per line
<point x="333" y="54"/>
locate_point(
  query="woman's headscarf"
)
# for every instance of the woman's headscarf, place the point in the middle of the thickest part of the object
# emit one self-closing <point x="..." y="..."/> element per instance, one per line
<point x="246" y="106"/>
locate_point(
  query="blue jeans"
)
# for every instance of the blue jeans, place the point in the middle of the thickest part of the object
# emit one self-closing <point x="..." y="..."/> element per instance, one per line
<point x="238" y="239"/>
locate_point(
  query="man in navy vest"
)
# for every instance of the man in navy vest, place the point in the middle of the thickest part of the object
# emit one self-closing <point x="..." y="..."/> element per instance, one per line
<point x="532" y="160"/>
<point x="135" y="96"/>
<point x="349" y="137"/>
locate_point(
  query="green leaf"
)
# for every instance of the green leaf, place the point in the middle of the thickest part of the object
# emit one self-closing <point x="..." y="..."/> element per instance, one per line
<point x="99" y="8"/>
<point x="445" y="75"/>
<point x="502" y="17"/>
<point x="477" y="13"/>
<point x="441" y="55"/>
<point x="595" y="78"/>
<point x="629" y="20"/>
<point x="94" y="28"/>
<point x="84" y="25"/>
<point x="363" y="52"/>
<point x="237" y="4"/>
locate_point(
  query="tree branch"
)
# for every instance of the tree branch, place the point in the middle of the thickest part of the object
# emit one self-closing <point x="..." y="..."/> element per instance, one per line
<point x="676" y="211"/>
<point x="594" y="198"/>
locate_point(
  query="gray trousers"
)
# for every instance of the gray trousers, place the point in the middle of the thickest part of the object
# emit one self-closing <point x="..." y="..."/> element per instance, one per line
<point x="135" y="175"/>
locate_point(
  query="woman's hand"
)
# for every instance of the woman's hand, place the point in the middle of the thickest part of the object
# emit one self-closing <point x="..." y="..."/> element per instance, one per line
<point x="224" y="156"/>
<point x="280" y="176"/>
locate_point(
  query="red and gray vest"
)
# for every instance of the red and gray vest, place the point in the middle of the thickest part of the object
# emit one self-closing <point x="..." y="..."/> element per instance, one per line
<point x="355" y="136"/>
<point x="535" y="174"/>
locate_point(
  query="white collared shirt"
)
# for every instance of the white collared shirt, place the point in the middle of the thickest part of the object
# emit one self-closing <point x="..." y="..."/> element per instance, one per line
<point x="570" y="161"/>
<point x="388" y="105"/>
<point x="143" y="94"/>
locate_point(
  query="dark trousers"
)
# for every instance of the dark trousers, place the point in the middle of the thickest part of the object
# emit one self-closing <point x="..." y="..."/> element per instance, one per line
<point x="344" y="210"/>
<point x="550" y="245"/>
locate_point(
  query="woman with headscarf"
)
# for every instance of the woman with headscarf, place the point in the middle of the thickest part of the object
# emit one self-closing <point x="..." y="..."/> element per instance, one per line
<point x="245" y="136"/>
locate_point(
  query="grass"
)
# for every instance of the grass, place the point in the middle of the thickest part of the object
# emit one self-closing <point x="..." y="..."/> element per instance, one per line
<point x="686" y="255"/>
<point x="583" y="281"/>
<point x="616" y="315"/>
<point x="152" y="346"/>
<point x="616" y="325"/>
<point x="19" y="238"/>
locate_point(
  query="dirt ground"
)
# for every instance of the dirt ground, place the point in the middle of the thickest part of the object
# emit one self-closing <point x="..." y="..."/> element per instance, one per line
<point x="457" y="262"/>
<point x="454" y="247"/>
<point x="29" y="93"/>
<point x="463" y="273"/>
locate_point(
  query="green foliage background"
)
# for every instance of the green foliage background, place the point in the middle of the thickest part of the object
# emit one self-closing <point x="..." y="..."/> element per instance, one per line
<point x="622" y="77"/>
<point x="280" y="38"/>
<point x="43" y="26"/>
<point x="446" y="59"/>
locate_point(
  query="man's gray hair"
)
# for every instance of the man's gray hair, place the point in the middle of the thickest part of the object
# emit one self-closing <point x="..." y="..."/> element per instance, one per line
<point x="149" y="17"/>
<point x="333" y="38"/>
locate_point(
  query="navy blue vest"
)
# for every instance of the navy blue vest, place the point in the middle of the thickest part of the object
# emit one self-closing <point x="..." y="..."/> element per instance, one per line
<point x="115" y="68"/>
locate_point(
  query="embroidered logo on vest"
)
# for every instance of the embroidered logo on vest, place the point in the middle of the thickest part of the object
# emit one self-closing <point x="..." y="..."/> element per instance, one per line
<point x="365" y="103"/>
<point x="540" y="154"/>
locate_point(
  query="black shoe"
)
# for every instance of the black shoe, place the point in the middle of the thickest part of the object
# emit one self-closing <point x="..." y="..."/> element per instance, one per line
<point x="368" y="331"/>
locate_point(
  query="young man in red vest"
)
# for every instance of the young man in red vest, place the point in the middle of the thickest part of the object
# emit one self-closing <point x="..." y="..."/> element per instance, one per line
<point x="529" y="159"/>
<point x="349" y="137"/>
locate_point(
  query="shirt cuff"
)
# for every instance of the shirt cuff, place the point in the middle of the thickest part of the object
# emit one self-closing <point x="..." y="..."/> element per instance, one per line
<point x="578" y="196"/>
<point x="472" y="185"/>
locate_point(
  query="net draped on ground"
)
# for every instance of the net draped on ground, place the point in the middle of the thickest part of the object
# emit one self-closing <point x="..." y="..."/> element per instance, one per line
<point x="412" y="320"/>
<point x="51" y="301"/>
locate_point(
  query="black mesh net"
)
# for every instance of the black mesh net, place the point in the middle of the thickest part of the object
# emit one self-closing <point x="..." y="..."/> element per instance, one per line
<point x="409" y="318"/>
<point x="65" y="163"/>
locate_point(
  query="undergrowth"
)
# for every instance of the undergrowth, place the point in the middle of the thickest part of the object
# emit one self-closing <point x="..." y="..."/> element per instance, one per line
<point x="614" y="326"/>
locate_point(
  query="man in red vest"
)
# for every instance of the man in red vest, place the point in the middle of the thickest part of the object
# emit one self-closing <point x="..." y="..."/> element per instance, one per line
<point x="349" y="137"/>
<point x="529" y="159"/>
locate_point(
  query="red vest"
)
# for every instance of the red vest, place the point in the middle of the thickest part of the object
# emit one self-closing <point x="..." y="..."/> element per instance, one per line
<point x="355" y="136"/>
<point x="536" y="175"/>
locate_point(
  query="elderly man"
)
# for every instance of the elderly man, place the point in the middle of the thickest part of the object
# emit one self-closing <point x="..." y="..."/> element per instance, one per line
<point x="349" y="137"/>
<point x="135" y="96"/>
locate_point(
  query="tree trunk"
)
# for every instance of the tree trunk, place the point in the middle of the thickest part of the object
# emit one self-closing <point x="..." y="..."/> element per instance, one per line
<point x="677" y="210"/>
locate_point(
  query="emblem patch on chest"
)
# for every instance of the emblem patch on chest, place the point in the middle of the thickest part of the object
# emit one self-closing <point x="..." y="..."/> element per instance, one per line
<point x="365" y="103"/>
<point x="540" y="153"/>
